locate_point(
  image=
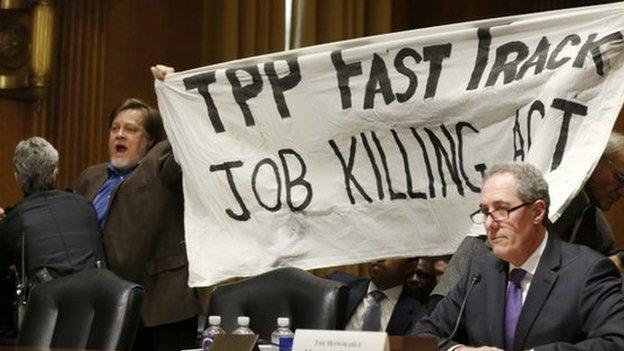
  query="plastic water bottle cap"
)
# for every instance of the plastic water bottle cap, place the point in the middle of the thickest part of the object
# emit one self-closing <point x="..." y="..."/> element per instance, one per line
<point x="243" y="320"/>
<point x="283" y="322"/>
<point x="214" y="320"/>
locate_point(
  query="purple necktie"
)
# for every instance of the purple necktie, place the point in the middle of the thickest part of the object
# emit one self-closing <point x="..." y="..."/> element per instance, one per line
<point x="372" y="316"/>
<point x="513" y="306"/>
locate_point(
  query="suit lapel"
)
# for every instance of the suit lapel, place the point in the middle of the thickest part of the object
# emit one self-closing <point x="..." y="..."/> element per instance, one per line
<point x="496" y="291"/>
<point x="138" y="178"/>
<point x="356" y="295"/>
<point x="541" y="285"/>
<point x="99" y="180"/>
<point x="402" y="315"/>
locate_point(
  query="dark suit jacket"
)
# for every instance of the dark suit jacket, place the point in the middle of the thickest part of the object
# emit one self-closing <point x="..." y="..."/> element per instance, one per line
<point x="405" y="314"/>
<point x="575" y="302"/>
<point x="594" y="231"/>
<point x="61" y="234"/>
<point x="144" y="234"/>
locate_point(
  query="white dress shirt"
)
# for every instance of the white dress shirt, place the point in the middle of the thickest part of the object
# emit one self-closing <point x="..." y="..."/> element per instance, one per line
<point x="386" y="306"/>
<point x="530" y="266"/>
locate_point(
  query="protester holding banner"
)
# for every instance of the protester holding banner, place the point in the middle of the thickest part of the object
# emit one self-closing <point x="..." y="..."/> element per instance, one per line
<point x="533" y="290"/>
<point x="581" y="223"/>
<point x="139" y="202"/>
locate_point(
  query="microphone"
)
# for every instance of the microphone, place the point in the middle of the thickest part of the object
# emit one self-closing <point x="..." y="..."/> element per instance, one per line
<point x="475" y="279"/>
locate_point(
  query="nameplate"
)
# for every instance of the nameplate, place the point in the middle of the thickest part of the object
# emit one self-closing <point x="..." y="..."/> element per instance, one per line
<point x="339" y="340"/>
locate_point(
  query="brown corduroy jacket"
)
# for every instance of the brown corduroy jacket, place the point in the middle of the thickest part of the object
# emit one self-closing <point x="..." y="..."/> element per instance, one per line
<point x="144" y="234"/>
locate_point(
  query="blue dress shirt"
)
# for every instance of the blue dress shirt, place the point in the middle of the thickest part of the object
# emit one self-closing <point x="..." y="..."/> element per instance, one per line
<point x="101" y="202"/>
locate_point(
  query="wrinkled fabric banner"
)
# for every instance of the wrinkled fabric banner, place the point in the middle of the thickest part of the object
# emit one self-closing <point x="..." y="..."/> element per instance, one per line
<point x="372" y="148"/>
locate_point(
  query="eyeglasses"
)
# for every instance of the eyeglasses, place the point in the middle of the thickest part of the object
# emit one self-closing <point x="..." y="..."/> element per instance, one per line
<point x="616" y="173"/>
<point x="480" y="216"/>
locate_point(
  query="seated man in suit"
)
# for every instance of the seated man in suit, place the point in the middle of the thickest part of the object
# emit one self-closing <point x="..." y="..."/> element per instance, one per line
<point x="533" y="289"/>
<point x="581" y="223"/>
<point x="382" y="303"/>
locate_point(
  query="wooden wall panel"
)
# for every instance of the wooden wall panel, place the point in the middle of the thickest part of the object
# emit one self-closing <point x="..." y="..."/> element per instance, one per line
<point x="75" y="125"/>
<point x="142" y="33"/>
<point x="15" y="121"/>
<point x="410" y="14"/>
<point x="105" y="50"/>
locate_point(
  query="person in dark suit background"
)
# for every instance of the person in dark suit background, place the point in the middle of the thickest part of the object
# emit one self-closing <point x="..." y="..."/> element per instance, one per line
<point x="61" y="235"/>
<point x="423" y="280"/>
<point x="382" y="302"/>
<point x="139" y="202"/>
<point x="532" y="290"/>
<point x="59" y="229"/>
<point x="581" y="223"/>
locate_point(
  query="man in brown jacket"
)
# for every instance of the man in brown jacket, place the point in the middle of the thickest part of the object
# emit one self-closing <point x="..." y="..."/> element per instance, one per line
<point x="139" y="202"/>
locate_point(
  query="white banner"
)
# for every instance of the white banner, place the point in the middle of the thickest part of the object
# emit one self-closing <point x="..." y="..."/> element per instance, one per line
<point x="372" y="148"/>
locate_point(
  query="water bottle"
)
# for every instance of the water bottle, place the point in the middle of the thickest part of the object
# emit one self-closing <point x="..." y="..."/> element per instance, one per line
<point x="282" y="336"/>
<point x="243" y="326"/>
<point x="213" y="330"/>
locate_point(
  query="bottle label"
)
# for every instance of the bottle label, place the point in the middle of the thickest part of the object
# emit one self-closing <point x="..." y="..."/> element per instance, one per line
<point x="207" y="342"/>
<point x="285" y="344"/>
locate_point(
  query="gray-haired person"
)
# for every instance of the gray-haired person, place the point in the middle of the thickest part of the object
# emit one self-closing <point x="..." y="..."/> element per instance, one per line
<point x="581" y="223"/>
<point x="60" y="229"/>
<point x="533" y="290"/>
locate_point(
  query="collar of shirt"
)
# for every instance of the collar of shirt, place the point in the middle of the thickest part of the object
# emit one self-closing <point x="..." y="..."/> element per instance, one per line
<point x="38" y="191"/>
<point x="102" y="199"/>
<point x="530" y="266"/>
<point x="392" y="294"/>
<point x="119" y="172"/>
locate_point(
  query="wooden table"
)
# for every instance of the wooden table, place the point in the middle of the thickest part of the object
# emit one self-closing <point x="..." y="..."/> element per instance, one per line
<point x="412" y="343"/>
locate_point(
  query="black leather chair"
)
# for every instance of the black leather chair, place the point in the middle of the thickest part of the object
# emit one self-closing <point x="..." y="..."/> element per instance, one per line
<point x="92" y="309"/>
<point x="310" y="302"/>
